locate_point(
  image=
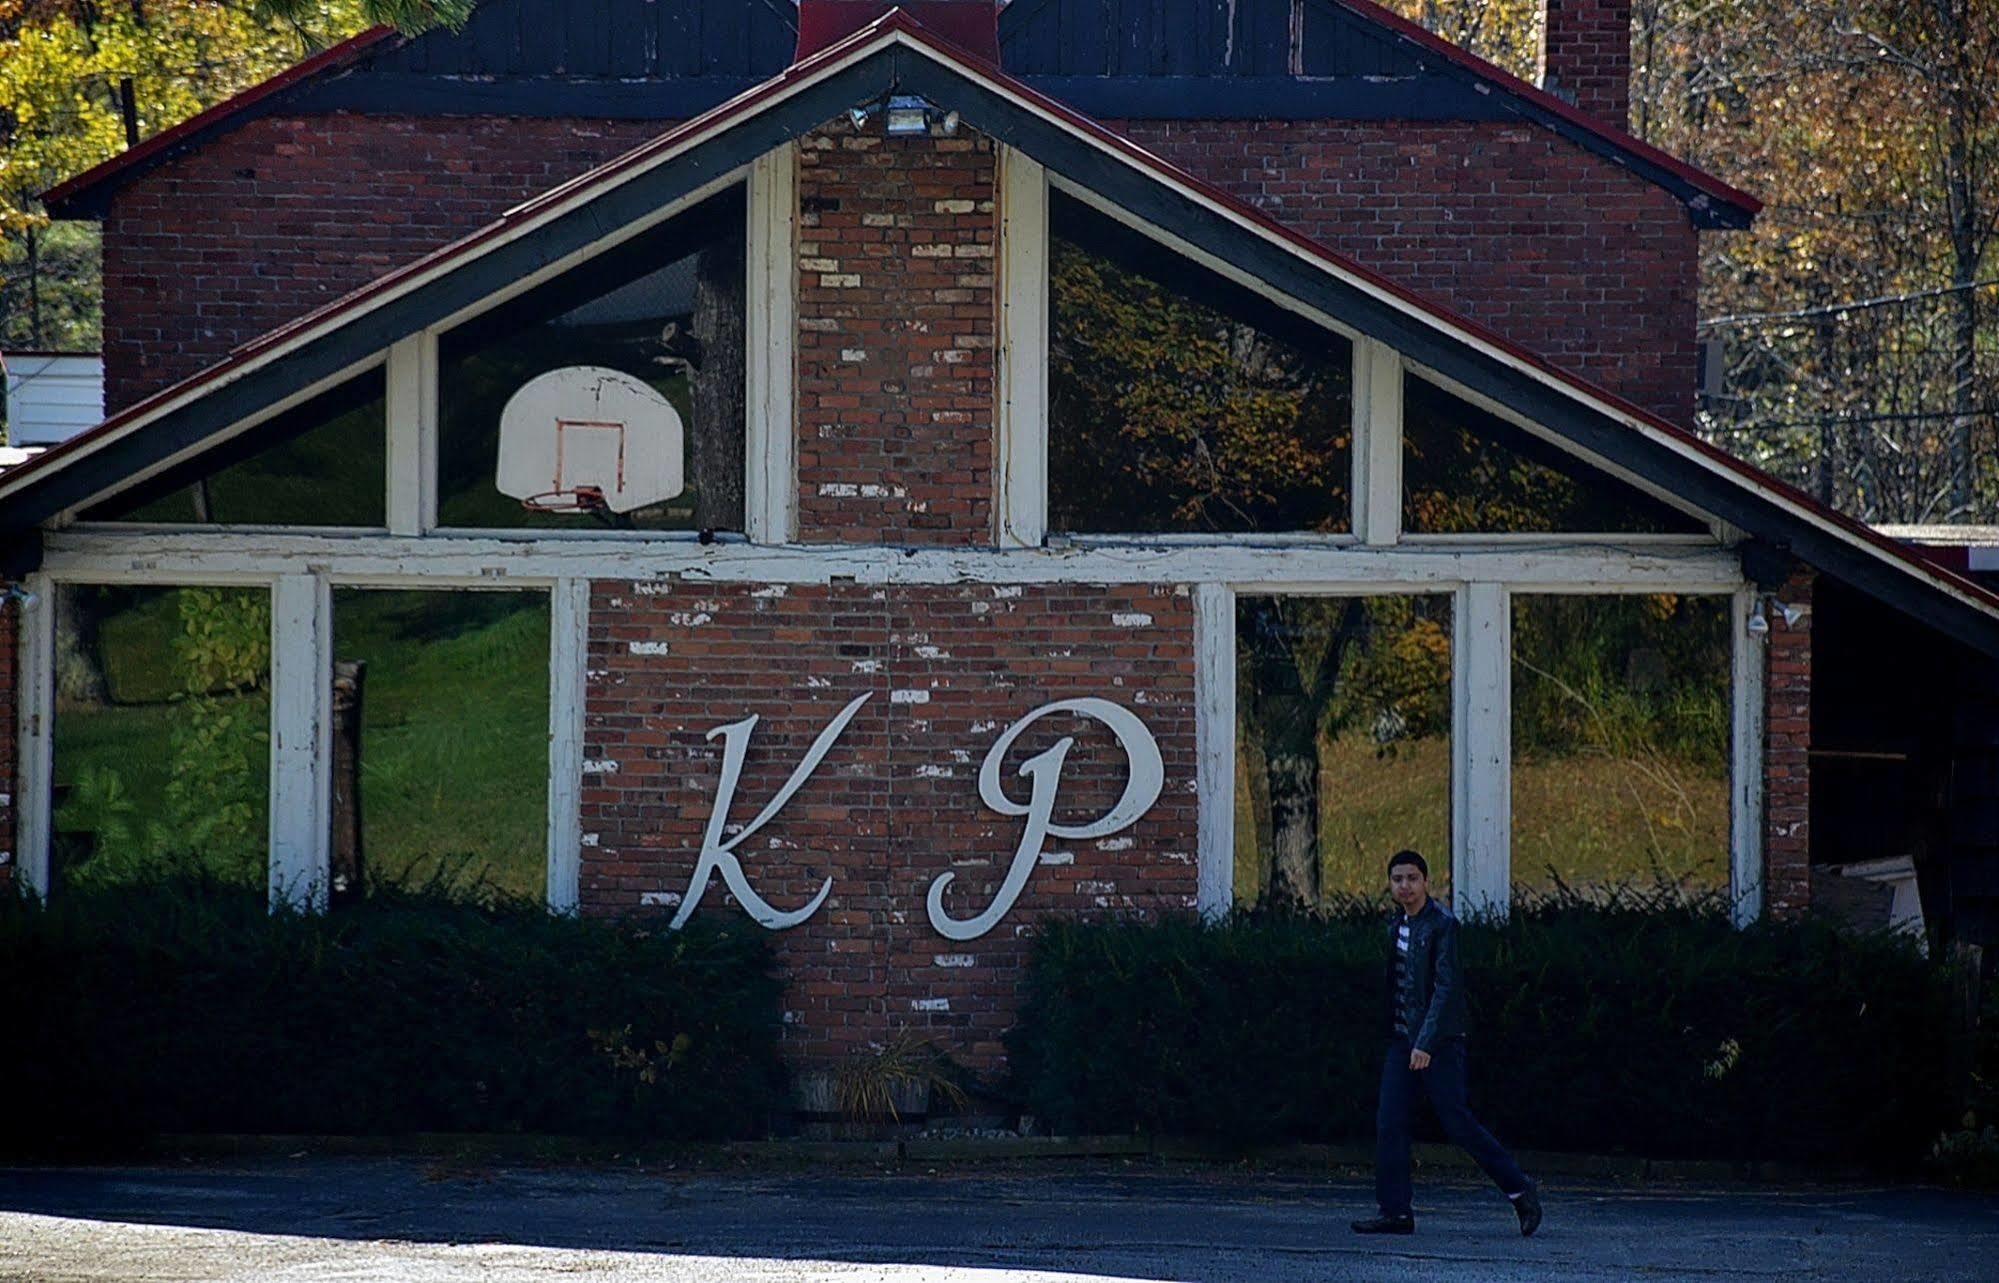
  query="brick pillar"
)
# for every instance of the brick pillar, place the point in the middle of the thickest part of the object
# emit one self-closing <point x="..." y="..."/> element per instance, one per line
<point x="896" y="318"/>
<point x="1787" y="742"/>
<point x="1586" y="56"/>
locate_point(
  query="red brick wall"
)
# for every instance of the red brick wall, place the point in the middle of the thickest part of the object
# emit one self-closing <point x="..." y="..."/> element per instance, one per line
<point x="896" y="802"/>
<point x="1545" y="243"/>
<point x="895" y="346"/>
<point x="1586" y="56"/>
<point x="281" y="216"/>
<point x="1787" y="742"/>
<point x="1562" y="252"/>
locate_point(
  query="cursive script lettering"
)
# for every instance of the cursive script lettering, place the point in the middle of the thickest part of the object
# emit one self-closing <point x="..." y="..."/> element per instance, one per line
<point x="1044" y="771"/>
<point x="718" y="855"/>
<point x="1147" y="774"/>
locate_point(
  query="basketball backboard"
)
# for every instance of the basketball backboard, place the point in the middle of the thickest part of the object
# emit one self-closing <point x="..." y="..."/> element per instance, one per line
<point x="587" y="436"/>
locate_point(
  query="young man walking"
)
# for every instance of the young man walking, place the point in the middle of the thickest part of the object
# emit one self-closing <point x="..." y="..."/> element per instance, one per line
<point x="1426" y="1045"/>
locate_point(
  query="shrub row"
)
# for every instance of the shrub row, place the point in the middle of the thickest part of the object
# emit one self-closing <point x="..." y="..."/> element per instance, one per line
<point x="1630" y="1027"/>
<point x="186" y="1008"/>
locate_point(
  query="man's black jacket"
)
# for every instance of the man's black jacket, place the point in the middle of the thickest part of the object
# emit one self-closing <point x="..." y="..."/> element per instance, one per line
<point x="1431" y="992"/>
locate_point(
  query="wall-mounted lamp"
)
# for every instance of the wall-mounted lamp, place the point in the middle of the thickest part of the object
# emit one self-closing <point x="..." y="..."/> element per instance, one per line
<point x="1759" y="619"/>
<point x="14" y="592"/>
<point x="904" y="114"/>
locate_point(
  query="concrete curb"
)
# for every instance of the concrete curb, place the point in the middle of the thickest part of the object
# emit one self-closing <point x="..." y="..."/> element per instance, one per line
<point x="1621" y="1169"/>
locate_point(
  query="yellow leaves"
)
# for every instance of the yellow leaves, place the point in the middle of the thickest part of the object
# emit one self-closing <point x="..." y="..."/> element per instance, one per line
<point x="60" y="111"/>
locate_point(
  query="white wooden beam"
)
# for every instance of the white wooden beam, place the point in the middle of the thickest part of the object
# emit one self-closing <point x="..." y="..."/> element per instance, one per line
<point x="301" y="741"/>
<point x="1482" y="746"/>
<point x="568" y="648"/>
<point x="1214" y="746"/>
<point x="1745" y="820"/>
<point x="1377" y="442"/>
<point x="412" y="429"/>
<point x="102" y="556"/>
<point x="35" y="737"/>
<point x="771" y="490"/>
<point x="1020" y="470"/>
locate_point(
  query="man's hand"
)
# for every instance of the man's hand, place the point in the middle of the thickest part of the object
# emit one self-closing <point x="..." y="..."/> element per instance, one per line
<point x="1419" y="1059"/>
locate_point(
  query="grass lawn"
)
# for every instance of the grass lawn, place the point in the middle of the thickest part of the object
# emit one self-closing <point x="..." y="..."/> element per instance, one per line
<point x="454" y="751"/>
<point x="454" y="733"/>
<point x="1595" y="819"/>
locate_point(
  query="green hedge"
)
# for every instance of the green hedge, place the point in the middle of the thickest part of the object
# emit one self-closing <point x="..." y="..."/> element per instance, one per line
<point x="172" y="1008"/>
<point x="1662" y="1032"/>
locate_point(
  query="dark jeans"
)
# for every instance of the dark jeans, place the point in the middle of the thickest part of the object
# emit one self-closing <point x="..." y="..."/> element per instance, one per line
<point x="1444" y="1081"/>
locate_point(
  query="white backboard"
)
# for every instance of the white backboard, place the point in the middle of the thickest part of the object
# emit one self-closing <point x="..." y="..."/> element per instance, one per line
<point x="587" y="426"/>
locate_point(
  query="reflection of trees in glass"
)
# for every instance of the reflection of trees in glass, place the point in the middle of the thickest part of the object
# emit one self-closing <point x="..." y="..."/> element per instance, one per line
<point x="1316" y="678"/>
<point x="161" y="734"/>
<point x="1620" y="739"/>
<point x="320" y="464"/>
<point x="453" y="740"/>
<point x="1465" y="471"/>
<point x="666" y="309"/>
<point x="1189" y="407"/>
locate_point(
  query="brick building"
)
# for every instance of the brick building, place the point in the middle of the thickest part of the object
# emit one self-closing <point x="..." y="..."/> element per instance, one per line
<point x="1061" y="465"/>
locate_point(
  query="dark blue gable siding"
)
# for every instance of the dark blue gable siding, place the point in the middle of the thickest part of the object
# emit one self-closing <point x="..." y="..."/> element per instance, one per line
<point x="1197" y="38"/>
<point x="606" y="40"/>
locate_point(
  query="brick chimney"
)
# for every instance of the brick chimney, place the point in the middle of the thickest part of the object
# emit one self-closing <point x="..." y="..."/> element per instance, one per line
<point x="972" y="25"/>
<point x="1586" y="56"/>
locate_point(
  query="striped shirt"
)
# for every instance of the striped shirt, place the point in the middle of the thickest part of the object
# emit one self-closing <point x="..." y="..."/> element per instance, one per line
<point x="1401" y="968"/>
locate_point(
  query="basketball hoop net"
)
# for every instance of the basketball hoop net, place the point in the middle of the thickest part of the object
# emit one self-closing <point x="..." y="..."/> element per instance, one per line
<point x="580" y="499"/>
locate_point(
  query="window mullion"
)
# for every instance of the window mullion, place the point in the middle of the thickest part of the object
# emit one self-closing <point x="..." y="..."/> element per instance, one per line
<point x="1022" y="471"/>
<point x="1482" y="735"/>
<point x="301" y="741"/>
<point x="1377" y="437"/>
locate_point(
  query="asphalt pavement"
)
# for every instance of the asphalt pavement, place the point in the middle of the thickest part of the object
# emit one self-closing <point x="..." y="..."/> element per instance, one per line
<point x="318" y="1219"/>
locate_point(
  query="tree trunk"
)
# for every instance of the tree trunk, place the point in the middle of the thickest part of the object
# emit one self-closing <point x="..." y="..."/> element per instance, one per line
<point x="719" y="399"/>
<point x="1286" y="719"/>
<point x="79" y="658"/>
<point x="34" y="290"/>
<point x="1291" y="755"/>
<point x="348" y="862"/>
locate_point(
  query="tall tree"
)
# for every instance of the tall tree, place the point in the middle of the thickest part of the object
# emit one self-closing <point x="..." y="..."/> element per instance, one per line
<point x="80" y="78"/>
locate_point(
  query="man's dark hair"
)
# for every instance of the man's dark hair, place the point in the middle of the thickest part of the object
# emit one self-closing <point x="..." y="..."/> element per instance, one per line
<point x="1408" y="857"/>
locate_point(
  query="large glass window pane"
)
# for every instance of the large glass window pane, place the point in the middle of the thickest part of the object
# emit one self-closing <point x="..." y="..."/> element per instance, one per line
<point x="321" y="464"/>
<point x="440" y="741"/>
<point x="161" y="736"/>
<point x="1466" y="471"/>
<point x="1181" y="402"/>
<point x="1620" y="743"/>
<point x="667" y="310"/>
<point x="1343" y="744"/>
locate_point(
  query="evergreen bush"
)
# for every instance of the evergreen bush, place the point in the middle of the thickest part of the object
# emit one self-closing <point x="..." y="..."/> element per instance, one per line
<point x="1642" y="1025"/>
<point x="181" y="1006"/>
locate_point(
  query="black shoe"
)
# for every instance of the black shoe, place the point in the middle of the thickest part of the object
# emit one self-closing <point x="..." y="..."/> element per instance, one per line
<point x="1528" y="1208"/>
<point x="1386" y="1225"/>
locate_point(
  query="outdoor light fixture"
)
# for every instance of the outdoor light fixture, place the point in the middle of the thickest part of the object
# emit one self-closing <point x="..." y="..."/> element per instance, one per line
<point x="907" y="115"/>
<point x="14" y="592"/>
<point x="1759" y="618"/>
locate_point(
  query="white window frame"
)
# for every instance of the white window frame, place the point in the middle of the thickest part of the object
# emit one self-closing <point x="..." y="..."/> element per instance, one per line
<point x="1020" y="465"/>
<point x="299" y="842"/>
<point x="1481" y="727"/>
